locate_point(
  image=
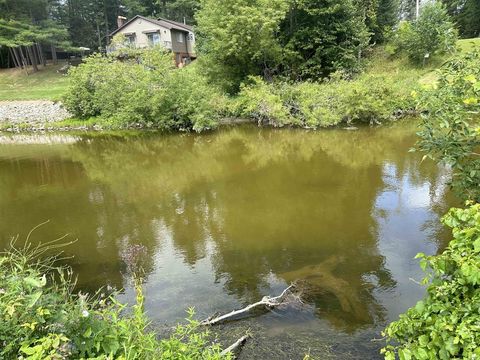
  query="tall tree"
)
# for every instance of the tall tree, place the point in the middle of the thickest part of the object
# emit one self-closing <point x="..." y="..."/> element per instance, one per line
<point x="26" y="28"/>
<point x="322" y="36"/>
<point x="238" y="38"/>
<point x="380" y="17"/>
<point x="179" y="10"/>
<point x="388" y="15"/>
<point x="466" y="14"/>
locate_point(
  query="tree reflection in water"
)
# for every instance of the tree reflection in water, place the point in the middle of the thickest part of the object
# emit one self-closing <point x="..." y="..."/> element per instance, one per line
<point x="243" y="211"/>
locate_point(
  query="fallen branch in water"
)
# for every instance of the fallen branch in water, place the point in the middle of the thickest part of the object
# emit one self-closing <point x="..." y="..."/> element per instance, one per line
<point x="267" y="302"/>
<point x="236" y="346"/>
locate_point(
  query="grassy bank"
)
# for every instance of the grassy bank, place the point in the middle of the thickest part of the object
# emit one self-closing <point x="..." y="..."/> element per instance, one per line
<point x="118" y="95"/>
<point x="466" y="45"/>
<point x="46" y="84"/>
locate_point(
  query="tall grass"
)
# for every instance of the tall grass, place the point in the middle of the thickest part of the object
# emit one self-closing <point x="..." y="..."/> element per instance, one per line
<point x="42" y="318"/>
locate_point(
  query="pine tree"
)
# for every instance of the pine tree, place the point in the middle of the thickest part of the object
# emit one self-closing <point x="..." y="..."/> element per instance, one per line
<point x="322" y="36"/>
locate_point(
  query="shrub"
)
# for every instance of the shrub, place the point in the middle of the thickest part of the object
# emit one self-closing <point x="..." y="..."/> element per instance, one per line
<point x="445" y="325"/>
<point x="369" y="98"/>
<point x="261" y="101"/>
<point x="187" y="101"/>
<point x="450" y="127"/>
<point x="141" y="87"/>
<point x="433" y="33"/>
<point x="41" y="318"/>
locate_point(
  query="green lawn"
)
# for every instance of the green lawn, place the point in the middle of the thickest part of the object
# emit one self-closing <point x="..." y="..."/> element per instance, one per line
<point x="466" y="45"/>
<point x="463" y="46"/>
<point x="46" y="84"/>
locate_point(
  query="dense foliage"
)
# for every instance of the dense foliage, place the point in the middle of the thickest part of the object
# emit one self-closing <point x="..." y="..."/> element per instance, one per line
<point x="369" y="99"/>
<point x="143" y="87"/>
<point x="299" y="40"/>
<point x="321" y="37"/>
<point x="237" y="39"/>
<point x="431" y="34"/>
<point x="184" y="99"/>
<point x="450" y="125"/>
<point x="445" y="325"/>
<point x="465" y="13"/>
<point x="41" y="318"/>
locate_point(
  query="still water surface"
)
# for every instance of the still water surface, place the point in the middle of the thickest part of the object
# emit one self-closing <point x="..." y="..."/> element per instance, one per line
<point x="231" y="216"/>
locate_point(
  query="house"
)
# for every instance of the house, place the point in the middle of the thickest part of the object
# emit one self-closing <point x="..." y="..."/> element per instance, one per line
<point x="142" y="32"/>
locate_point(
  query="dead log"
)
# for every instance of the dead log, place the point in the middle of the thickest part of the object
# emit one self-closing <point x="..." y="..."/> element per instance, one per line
<point x="236" y="346"/>
<point x="266" y="303"/>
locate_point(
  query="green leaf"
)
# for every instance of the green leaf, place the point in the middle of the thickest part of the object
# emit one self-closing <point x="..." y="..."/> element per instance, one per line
<point x="33" y="282"/>
<point x="404" y="354"/>
<point x="87" y="333"/>
<point x="423" y="340"/>
<point x="422" y="354"/>
<point x="389" y="355"/>
<point x="476" y="245"/>
<point x="420" y="306"/>
<point x="28" y="350"/>
<point x="34" y="298"/>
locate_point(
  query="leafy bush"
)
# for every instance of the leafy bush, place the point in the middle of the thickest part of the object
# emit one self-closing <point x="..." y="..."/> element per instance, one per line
<point x="141" y="87"/>
<point x="186" y="101"/>
<point x="262" y="102"/>
<point x="433" y="33"/>
<point x="445" y="325"/>
<point x="450" y="128"/>
<point x="41" y="318"/>
<point x="369" y="98"/>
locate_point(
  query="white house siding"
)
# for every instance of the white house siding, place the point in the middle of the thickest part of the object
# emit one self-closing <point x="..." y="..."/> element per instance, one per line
<point x="169" y="37"/>
<point x="191" y="44"/>
<point x="141" y="27"/>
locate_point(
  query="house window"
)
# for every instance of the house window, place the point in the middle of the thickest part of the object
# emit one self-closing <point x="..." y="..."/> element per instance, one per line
<point x="190" y="37"/>
<point x="180" y="37"/>
<point x="153" y="39"/>
<point x="130" y="39"/>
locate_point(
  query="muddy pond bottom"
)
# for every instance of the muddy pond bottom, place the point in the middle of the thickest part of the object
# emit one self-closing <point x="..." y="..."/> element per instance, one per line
<point x="228" y="217"/>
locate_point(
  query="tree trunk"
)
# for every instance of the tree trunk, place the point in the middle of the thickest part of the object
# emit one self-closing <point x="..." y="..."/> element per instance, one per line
<point x="28" y="58"/>
<point x="12" y="55"/>
<point x="99" y="36"/>
<point x="36" y="56"/>
<point x="54" y="55"/>
<point x="16" y="53"/>
<point x="31" y="55"/>
<point x="23" y="59"/>
<point x="41" y="57"/>
<point x="107" y="32"/>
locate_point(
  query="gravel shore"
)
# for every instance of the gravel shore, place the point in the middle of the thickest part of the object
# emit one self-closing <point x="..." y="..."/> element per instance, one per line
<point x="31" y="112"/>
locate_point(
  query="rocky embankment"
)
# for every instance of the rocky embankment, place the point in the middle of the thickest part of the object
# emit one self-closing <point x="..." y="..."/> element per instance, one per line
<point x="31" y="114"/>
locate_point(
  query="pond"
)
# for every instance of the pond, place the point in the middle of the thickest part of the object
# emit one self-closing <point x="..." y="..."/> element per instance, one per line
<point x="234" y="215"/>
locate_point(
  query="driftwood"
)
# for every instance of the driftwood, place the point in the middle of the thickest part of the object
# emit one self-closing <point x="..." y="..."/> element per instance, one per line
<point x="266" y="303"/>
<point x="236" y="346"/>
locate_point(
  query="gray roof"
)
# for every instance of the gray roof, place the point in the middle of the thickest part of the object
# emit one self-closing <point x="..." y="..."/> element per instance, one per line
<point x="168" y="24"/>
<point x="178" y="24"/>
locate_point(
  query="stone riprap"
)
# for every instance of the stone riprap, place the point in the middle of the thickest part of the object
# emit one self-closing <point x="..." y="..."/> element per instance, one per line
<point x="32" y="112"/>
